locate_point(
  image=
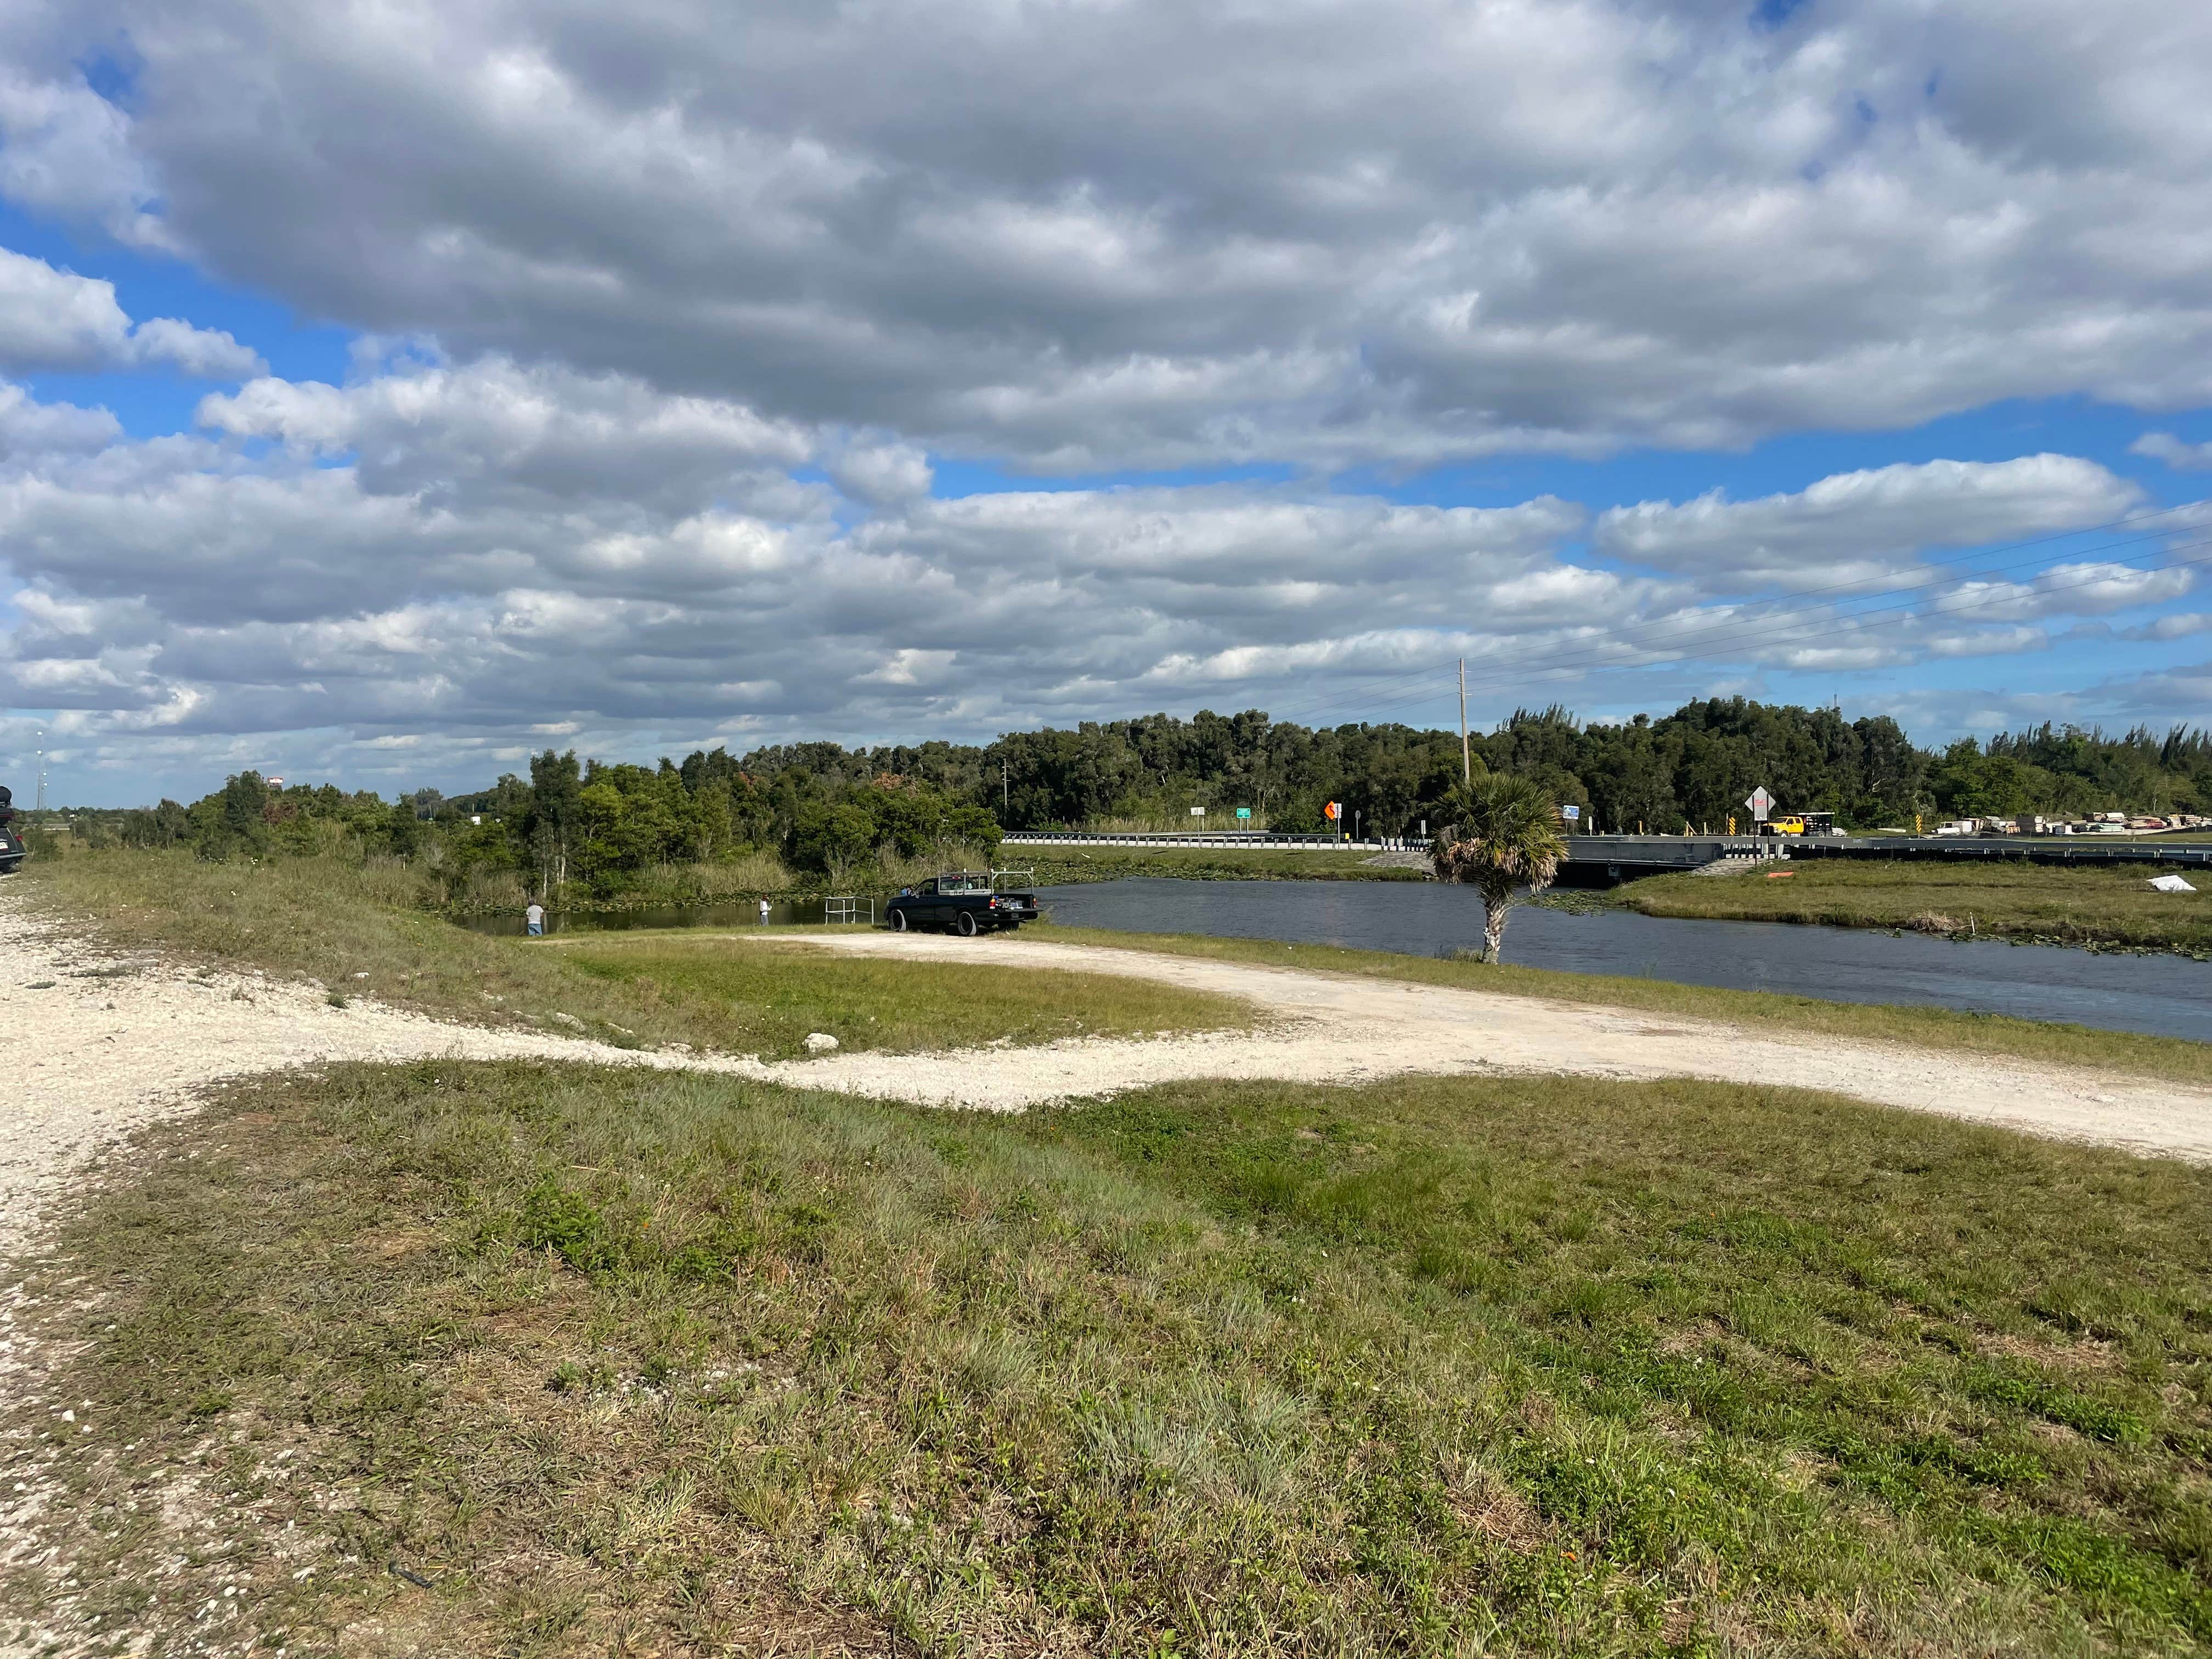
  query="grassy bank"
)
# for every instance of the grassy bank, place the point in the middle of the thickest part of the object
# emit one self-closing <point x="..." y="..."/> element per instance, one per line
<point x="765" y="999"/>
<point x="2005" y="898"/>
<point x="2039" y="1041"/>
<point x="348" y="927"/>
<point x="521" y="1361"/>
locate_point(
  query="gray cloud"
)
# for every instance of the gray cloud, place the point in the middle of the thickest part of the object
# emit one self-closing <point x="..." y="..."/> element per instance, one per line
<point x="1163" y="235"/>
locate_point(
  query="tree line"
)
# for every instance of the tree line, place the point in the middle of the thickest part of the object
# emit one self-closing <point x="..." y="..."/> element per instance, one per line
<point x="829" y="810"/>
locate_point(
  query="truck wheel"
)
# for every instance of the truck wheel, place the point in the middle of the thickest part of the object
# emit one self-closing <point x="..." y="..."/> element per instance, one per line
<point x="898" y="922"/>
<point x="966" y="924"/>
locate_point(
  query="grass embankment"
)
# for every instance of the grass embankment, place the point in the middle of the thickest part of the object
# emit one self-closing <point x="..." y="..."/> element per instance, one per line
<point x="1066" y="867"/>
<point x="2046" y="1041"/>
<point x="2005" y="898"/>
<point x="333" y="922"/>
<point x="535" y="1361"/>
<point x="766" y="998"/>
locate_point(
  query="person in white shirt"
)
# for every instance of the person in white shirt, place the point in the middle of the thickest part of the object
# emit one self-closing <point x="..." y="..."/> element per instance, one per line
<point x="535" y="916"/>
<point x="763" y="913"/>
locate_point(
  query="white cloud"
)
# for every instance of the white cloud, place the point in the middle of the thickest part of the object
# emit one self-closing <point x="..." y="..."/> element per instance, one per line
<point x="1864" y="526"/>
<point x="474" y="555"/>
<point x="66" y="150"/>
<point x="2165" y="447"/>
<point x="882" y="473"/>
<point x="52" y="318"/>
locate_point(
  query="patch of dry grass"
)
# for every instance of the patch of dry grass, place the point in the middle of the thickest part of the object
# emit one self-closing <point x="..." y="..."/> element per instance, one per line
<point x="331" y="921"/>
<point x="762" y="999"/>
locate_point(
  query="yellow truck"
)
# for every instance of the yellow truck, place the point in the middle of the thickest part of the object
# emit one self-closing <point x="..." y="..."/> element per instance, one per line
<point x="1800" y="824"/>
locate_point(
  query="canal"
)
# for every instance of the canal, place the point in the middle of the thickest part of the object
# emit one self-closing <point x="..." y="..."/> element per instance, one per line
<point x="2162" y="996"/>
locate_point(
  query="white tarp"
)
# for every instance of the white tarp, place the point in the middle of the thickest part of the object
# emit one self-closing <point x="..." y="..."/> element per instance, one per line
<point x="2171" y="885"/>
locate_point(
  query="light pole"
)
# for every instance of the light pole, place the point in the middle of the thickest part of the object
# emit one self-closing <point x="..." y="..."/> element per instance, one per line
<point x="42" y="771"/>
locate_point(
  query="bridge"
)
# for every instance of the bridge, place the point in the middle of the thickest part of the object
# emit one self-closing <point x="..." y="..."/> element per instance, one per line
<point x="1588" y="857"/>
<point x="1620" y="857"/>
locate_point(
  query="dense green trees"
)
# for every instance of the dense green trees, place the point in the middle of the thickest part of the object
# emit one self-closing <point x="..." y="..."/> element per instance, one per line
<point x="826" y="809"/>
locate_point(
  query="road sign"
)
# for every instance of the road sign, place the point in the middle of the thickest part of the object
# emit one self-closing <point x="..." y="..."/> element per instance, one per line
<point x="1198" y="812"/>
<point x="1333" y="811"/>
<point x="1244" y="811"/>
<point x="1571" y="813"/>
<point x="1758" y="800"/>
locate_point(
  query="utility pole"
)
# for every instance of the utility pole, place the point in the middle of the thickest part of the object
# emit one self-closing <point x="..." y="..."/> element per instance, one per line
<point x="1466" y="765"/>
<point x="1003" y="796"/>
<point x="42" y="771"/>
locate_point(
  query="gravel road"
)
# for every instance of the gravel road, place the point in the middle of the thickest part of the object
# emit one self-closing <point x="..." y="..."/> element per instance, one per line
<point x="91" y="1046"/>
<point x="1341" y="1028"/>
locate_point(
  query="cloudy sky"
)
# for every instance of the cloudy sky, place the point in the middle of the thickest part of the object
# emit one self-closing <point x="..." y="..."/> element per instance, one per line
<point x="389" y="388"/>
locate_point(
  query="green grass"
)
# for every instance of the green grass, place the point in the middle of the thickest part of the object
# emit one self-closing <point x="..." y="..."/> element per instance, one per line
<point x="2173" y="1058"/>
<point x="2001" y="897"/>
<point x="758" y="997"/>
<point x="667" y="1365"/>
<point x="349" y="928"/>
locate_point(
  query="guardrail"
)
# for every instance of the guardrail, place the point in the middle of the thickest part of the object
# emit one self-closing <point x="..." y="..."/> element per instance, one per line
<point x="1202" y="838"/>
<point x="857" y="909"/>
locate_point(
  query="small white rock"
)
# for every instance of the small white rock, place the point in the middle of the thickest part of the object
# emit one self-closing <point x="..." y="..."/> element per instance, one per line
<point x="820" y="1043"/>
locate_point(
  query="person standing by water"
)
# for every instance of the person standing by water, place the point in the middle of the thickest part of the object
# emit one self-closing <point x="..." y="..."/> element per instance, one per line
<point x="534" y="917"/>
<point x="763" y="913"/>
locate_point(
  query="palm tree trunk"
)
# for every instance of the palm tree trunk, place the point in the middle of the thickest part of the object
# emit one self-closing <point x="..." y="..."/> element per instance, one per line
<point x="1493" y="929"/>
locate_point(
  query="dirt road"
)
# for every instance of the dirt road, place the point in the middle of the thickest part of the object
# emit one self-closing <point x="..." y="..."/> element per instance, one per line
<point x="90" y="1047"/>
<point x="1340" y="1028"/>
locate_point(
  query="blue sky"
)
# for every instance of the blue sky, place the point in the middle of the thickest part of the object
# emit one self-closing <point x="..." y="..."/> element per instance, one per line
<point x="387" y="395"/>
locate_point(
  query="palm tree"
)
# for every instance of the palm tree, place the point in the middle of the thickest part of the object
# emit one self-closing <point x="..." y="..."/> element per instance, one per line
<point x="1504" y="835"/>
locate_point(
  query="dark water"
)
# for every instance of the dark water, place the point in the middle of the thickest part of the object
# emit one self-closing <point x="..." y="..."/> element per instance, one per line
<point x="2163" y="995"/>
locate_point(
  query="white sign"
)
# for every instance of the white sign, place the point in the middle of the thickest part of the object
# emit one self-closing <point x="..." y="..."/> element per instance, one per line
<point x="1198" y="812"/>
<point x="1758" y="800"/>
<point x="1571" y="813"/>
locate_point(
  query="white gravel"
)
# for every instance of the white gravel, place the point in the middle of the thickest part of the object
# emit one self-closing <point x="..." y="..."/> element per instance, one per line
<point x="108" y="1043"/>
<point x="1339" y="1027"/>
<point x="105" y="1045"/>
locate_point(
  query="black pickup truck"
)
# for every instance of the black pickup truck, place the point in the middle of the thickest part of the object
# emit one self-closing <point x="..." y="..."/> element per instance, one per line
<point x="961" y="901"/>
<point x="11" y="844"/>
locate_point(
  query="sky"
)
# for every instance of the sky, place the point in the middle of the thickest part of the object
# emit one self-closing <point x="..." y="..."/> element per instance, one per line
<point x="390" y="390"/>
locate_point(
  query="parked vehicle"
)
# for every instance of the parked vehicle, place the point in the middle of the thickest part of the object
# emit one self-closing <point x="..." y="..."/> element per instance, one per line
<point x="1800" y="824"/>
<point x="11" y="844"/>
<point x="961" y="901"/>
